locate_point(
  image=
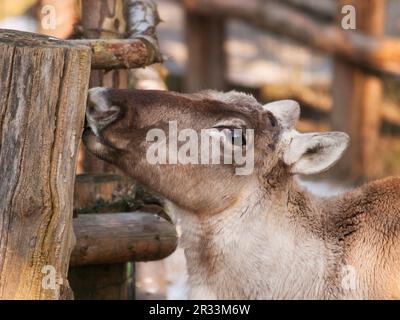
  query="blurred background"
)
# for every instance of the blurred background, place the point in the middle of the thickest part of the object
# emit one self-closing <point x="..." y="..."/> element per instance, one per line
<point x="345" y="80"/>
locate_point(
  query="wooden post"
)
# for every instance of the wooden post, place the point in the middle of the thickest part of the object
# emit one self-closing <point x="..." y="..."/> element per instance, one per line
<point x="114" y="19"/>
<point x="379" y="54"/>
<point x="357" y="98"/>
<point x="43" y="89"/>
<point x="206" y="66"/>
<point x="103" y="282"/>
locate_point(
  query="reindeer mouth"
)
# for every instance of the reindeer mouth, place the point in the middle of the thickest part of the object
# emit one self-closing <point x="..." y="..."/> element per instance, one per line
<point x="92" y="141"/>
<point x="97" y="146"/>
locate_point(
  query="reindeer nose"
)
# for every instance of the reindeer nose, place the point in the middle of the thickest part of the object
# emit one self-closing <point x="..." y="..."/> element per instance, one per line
<point x="99" y="111"/>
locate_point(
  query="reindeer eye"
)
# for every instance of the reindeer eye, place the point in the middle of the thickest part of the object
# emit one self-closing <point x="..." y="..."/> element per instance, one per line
<point x="238" y="138"/>
<point x="235" y="135"/>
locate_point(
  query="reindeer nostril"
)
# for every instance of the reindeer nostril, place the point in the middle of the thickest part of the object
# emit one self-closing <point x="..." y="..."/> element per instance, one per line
<point x="103" y="116"/>
<point x="99" y="111"/>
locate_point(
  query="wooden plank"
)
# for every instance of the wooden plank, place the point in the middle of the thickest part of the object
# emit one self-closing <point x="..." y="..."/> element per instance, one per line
<point x="43" y="91"/>
<point x="321" y="9"/>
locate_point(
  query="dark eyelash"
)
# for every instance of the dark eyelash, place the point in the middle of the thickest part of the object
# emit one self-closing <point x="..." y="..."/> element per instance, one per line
<point x="272" y="119"/>
<point x="220" y="128"/>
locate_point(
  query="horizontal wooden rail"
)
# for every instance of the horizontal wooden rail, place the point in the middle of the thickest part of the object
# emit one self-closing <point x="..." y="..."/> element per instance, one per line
<point x="323" y="9"/>
<point x="378" y="54"/>
<point x="322" y="101"/>
<point x="138" y="49"/>
<point x="121" y="237"/>
<point x="121" y="53"/>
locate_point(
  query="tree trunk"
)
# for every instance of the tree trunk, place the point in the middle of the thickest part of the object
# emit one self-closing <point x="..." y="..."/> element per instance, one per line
<point x="357" y="99"/>
<point x="43" y="88"/>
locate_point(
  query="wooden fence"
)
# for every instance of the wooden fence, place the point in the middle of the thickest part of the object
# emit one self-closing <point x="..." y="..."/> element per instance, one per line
<point x="362" y="57"/>
<point x="43" y="89"/>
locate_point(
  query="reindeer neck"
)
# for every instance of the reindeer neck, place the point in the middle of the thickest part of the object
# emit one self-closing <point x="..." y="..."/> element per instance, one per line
<point x="265" y="241"/>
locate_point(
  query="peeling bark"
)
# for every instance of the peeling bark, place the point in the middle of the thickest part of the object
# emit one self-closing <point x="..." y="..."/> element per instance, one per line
<point x="140" y="46"/>
<point x="121" y="53"/>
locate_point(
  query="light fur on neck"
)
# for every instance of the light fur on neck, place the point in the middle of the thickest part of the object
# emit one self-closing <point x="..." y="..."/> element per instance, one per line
<point x="256" y="249"/>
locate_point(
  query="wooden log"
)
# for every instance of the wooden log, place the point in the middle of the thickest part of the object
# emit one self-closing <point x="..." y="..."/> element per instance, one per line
<point x="357" y="100"/>
<point x="135" y="20"/>
<point x="320" y="9"/>
<point x="122" y="237"/>
<point x="205" y="37"/>
<point x="321" y="100"/>
<point x="121" y="53"/>
<point x="142" y="19"/>
<point x="102" y="193"/>
<point x="43" y="89"/>
<point x="376" y="53"/>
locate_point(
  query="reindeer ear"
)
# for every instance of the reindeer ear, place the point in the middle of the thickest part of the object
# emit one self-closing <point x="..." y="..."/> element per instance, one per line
<point x="313" y="153"/>
<point x="286" y="111"/>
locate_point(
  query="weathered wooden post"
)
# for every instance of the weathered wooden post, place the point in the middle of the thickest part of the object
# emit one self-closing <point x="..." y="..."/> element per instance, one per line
<point x="205" y="37"/>
<point x="357" y="97"/>
<point x="43" y="88"/>
<point x="103" y="20"/>
<point x="109" y="21"/>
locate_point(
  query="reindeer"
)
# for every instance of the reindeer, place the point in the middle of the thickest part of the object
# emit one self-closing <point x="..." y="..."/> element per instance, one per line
<point x="261" y="235"/>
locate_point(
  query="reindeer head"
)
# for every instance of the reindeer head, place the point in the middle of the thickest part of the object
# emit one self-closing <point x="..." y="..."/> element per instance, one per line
<point x="124" y="125"/>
